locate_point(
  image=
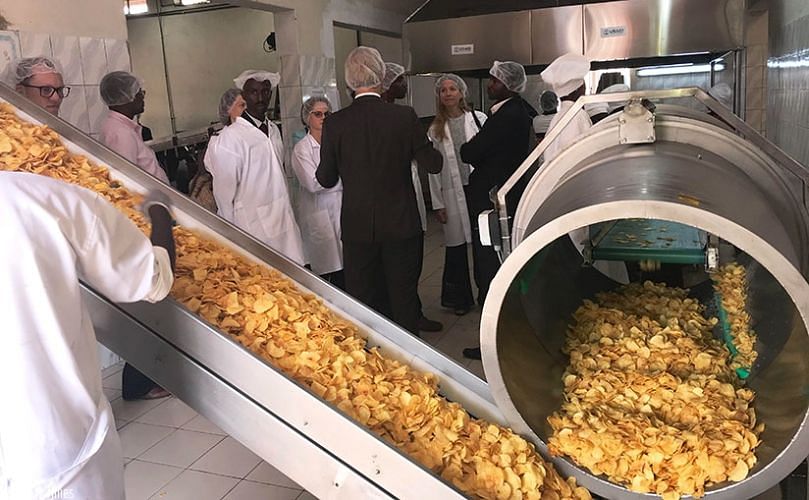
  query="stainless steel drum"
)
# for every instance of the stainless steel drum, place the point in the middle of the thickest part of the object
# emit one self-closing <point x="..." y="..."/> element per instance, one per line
<point x="689" y="168"/>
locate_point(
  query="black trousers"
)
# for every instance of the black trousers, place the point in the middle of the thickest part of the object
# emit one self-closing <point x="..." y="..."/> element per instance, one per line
<point x="392" y="268"/>
<point x="337" y="278"/>
<point x="134" y="384"/>
<point x="485" y="262"/>
<point x="456" y="287"/>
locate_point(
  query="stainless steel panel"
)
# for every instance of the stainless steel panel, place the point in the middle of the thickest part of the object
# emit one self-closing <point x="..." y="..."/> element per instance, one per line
<point x="555" y="32"/>
<point x="264" y="432"/>
<point x="651" y="28"/>
<point x="505" y="36"/>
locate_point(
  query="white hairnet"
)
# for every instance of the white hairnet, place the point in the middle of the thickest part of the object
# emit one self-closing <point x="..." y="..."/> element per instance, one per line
<point x="257" y="75"/>
<point x="23" y="69"/>
<point x="548" y="102"/>
<point x="595" y="109"/>
<point x="225" y="103"/>
<point x="615" y="89"/>
<point x="511" y="74"/>
<point x="364" y="67"/>
<point x="392" y="72"/>
<point x="309" y="105"/>
<point x="566" y="74"/>
<point x="722" y="93"/>
<point x="453" y="78"/>
<point x="119" y="87"/>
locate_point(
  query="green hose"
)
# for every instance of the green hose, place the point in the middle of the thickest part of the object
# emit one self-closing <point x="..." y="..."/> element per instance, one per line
<point x="742" y="373"/>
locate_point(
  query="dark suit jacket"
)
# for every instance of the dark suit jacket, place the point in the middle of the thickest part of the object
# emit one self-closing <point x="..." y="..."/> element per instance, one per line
<point x="369" y="145"/>
<point x="496" y="152"/>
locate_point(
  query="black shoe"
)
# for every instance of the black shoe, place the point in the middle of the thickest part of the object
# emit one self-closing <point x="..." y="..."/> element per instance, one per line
<point x="428" y="325"/>
<point x="471" y="353"/>
<point x="460" y="311"/>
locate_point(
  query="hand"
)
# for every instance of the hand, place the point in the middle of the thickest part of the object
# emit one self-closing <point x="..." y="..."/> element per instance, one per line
<point x="441" y="215"/>
<point x="153" y="200"/>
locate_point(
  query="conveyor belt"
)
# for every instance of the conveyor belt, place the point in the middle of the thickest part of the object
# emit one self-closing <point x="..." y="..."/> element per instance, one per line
<point x="277" y="418"/>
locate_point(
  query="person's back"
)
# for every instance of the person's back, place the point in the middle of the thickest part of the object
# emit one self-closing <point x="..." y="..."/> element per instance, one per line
<point x="373" y="143"/>
<point x="53" y="235"/>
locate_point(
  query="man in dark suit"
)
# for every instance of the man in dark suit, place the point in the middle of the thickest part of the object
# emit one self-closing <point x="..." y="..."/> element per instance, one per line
<point x="369" y="146"/>
<point x="495" y="153"/>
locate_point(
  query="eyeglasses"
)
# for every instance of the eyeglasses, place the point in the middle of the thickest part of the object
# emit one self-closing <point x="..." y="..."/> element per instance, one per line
<point x="320" y="114"/>
<point x="47" y="91"/>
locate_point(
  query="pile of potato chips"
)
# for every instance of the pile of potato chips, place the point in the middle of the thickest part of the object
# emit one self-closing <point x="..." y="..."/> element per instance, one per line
<point x="730" y="282"/>
<point x="294" y="331"/>
<point x="650" y="398"/>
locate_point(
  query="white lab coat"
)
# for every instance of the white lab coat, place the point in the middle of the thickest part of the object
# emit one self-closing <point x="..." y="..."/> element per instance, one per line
<point x="250" y="187"/>
<point x="57" y="431"/>
<point x="576" y="128"/>
<point x="446" y="187"/>
<point x="273" y="134"/>
<point x="318" y="210"/>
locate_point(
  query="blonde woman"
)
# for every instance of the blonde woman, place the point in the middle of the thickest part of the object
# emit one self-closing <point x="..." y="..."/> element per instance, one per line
<point x="455" y="124"/>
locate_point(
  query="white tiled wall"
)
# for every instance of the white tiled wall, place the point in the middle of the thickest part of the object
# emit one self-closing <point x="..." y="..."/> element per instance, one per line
<point x="84" y="61"/>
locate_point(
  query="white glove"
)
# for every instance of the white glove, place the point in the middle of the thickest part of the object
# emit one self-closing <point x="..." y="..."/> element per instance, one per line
<point x="155" y="197"/>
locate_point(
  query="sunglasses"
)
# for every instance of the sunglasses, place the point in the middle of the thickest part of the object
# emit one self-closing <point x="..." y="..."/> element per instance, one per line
<point x="47" y="91"/>
<point x="320" y="114"/>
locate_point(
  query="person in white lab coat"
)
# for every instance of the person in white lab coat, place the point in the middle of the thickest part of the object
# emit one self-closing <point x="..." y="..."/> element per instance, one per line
<point x="454" y="125"/>
<point x="318" y="207"/>
<point x="249" y="184"/>
<point x="57" y="431"/>
<point x="123" y="93"/>
<point x="566" y="76"/>
<point x="256" y="86"/>
<point x="548" y="104"/>
<point x="394" y="86"/>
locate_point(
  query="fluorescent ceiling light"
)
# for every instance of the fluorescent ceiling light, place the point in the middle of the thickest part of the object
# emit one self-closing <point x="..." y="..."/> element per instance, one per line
<point x="680" y="69"/>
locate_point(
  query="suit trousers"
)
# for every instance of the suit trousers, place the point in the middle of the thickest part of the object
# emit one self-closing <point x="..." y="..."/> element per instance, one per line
<point x="398" y="264"/>
<point x="485" y="262"/>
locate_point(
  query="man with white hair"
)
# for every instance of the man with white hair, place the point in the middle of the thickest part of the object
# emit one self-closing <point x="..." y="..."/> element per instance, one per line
<point x="123" y="93"/>
<point x="369" y="146"/>
<point x="40" y="81"/>
<point x="256" y="86"/>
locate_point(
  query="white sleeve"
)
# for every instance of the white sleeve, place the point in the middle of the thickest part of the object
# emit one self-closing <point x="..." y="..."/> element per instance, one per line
<point x="436" y="195"/>
<point x="305" y="167"/>
<point x="118" y="260"/>
<point x="224" y="167"/>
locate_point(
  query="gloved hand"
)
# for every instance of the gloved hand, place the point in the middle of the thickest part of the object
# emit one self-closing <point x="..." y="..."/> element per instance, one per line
<point x="155" y="198"/>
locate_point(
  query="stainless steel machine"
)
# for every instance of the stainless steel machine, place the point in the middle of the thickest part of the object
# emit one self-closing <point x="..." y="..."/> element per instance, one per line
<point x="674" y="164"/>
<point x="283" y="422"/>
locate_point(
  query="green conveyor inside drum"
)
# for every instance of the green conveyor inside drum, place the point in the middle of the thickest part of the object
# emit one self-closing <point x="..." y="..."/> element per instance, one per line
<point x="648" y="239"/>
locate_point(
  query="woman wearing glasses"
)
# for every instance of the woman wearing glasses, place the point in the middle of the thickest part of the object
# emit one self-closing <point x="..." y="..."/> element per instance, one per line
<point x="38" y="79"/>
<point x="318" y="207"/>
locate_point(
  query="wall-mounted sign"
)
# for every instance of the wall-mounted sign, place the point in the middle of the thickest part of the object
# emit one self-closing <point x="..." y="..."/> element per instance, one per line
<point x="613" y="31"/>
<point x="463" y="50"/>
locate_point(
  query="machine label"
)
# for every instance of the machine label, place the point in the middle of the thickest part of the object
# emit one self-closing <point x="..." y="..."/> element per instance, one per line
<point x="463" y="50"/>
<point x="613" y="31"/>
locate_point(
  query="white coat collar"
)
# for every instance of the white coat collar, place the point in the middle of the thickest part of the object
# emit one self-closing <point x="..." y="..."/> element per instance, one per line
<point x="499" y="105"/>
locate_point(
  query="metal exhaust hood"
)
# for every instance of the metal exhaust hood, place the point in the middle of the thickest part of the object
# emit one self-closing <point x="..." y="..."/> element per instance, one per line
<point x="467" y="35"/>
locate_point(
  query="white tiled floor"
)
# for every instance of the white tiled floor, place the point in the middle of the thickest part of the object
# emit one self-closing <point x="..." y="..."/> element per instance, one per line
<point x="172" y="453"/>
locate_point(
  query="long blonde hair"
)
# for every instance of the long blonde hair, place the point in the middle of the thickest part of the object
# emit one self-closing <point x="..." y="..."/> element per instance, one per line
<point x="442" y="115"/>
